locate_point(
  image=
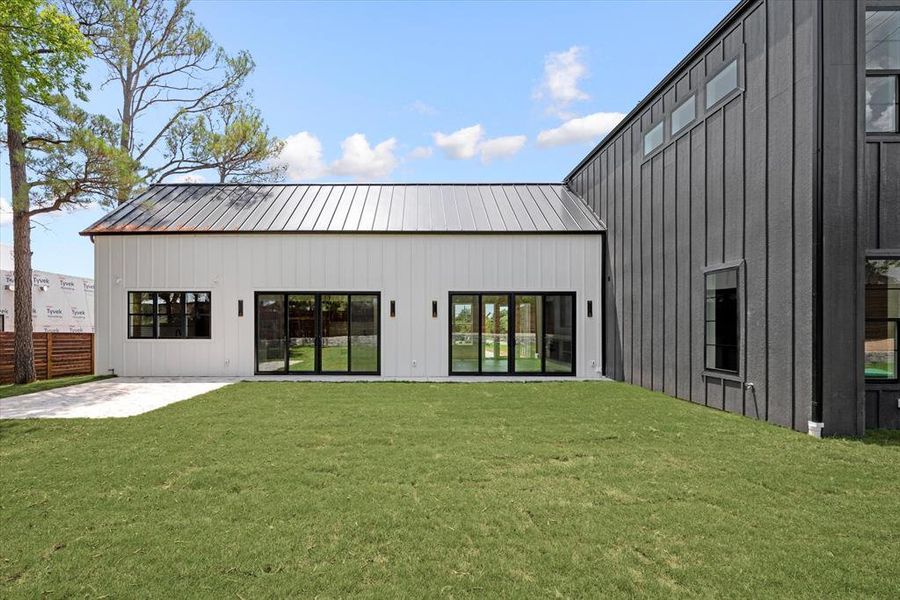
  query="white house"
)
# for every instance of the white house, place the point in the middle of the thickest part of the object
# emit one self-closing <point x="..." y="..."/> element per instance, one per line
<point x="392" y="280"/>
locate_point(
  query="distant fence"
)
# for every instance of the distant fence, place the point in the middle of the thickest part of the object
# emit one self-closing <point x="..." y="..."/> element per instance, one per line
<point x="55" y="354"/>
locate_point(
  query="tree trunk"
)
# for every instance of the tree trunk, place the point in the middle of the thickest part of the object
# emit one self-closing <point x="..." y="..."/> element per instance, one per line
<point x="124" y="191"/>
<point x="24" y="346"/>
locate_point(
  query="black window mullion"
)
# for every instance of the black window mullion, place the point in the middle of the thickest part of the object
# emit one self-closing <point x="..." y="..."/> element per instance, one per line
<point x="349" y="325"/>
<point x="318" y="342"/>
<point x="510" y="335"/>
<point x="543" y="334"/>
<point x="285" y="332"/>
<point x="155" y="315"/>
<point x="480" y="333"/>
<point x="184" y="312"/>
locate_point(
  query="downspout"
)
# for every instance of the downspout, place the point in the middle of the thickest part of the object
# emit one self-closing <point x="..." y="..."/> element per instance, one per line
<point x="816" y="422"/>
<point x="604" y="290"/>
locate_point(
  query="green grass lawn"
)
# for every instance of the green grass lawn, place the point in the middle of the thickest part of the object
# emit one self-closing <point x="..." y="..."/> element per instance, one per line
<point x="11" y="389"/>
<point x="570" y="489"/>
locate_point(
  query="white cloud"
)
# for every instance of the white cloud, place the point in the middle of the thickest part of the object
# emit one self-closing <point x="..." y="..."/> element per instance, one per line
<point x="361" y="161"/>
<point x="562" y="72"/>
<point x="187" y="178"/>
<point x="420" y="152"/>
<point x="462" y="144"/>
<point x="6" y="216"/>
<point x="580" y="129"/>
<point x="501" y="147"/>
<point x="423" y="108"/>
<point x="469" y="142"/>
<point x="302" y="154"/>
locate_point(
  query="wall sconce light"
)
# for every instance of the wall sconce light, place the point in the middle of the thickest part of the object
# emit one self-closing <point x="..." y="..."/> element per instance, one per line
<point x="43" y="288"/>
<point x="10" y="286"/>
<point x="118" y="281"/>
<point x="590" y="308"/>
<point x="393" y="308"/>
<point x="434" y="309"/>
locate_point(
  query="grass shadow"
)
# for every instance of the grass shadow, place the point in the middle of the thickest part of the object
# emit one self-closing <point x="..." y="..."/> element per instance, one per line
<point x="882" y="437"/>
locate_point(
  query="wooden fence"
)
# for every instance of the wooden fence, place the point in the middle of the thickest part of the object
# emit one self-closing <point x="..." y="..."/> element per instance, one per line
<point x="55" y="354"/>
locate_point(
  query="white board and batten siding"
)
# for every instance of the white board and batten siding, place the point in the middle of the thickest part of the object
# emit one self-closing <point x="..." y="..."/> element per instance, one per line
<point x="411" y="269"/>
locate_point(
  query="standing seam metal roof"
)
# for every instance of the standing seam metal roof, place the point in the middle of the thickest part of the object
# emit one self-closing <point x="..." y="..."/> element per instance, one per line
<point x="352" y="208"/>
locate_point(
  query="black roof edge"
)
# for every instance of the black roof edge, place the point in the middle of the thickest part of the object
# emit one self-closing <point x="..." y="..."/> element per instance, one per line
<point x="455" y="232"/>
<point x="355" y="183"/>
<point x="726" y="22"/>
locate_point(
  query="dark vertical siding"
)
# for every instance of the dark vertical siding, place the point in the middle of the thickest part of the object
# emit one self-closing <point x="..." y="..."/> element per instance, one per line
<point x="738" y="185"/>
<point x="842" y="222"/>
<point x="780" y="251"/>
<point x="805" y="51"/>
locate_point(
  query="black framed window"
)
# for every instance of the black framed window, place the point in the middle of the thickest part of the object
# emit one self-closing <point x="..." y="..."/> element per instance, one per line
<point x="653" y="138"/>
<point x="501" y="333"/>
<point x="723" y="330"/>
<point x="683" y="115"/>
<point x="169" y="315"/>
<point x="318" y="332"/>
<point x="882" y="319"/>
<point x="882" y="71"/>
<point x="722" y="84"/>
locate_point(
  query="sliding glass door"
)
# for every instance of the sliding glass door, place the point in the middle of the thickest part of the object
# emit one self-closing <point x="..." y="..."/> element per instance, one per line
<point x="301" y="333"/>
<point x="271" y="356"/>
<point x="495" y="334"/>
<point x="317" y="333"/>
<point x="335" y="339"/>
<point x="559" y="334"/>
<point x="529" y="333"/>
<point x="364" y="333"/>
<point x="512" y="333"/>
<point x="464" y="311"/>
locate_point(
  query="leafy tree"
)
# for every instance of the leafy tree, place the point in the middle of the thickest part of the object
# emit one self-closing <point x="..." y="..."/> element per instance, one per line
<point x="166" y="64"/>
<point x="59" y="155"/>
<point x="233" y="140"/>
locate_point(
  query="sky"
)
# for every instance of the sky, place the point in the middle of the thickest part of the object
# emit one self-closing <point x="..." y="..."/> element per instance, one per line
<point x="416" y="92"/>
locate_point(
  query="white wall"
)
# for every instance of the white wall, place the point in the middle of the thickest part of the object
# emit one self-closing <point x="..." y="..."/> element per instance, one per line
<point x="411" y="269"/>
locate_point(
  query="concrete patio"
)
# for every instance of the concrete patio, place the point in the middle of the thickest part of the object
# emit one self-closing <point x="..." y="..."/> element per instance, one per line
<point x="118" y="397"/>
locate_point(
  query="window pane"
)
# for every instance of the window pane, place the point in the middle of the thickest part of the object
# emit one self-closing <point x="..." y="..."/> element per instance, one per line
<point x="883" y="39"/>
<point x="653" y="139"/>
<point x="140" y="303"/>
<point x="559" y="325"/>
<point x="883" y="289"/>
<point x="197" y="311"/>
<point x="495" y="334"/>
<point x="270" y="339"/>
<point x="364" y="333"/>
<point x="301" y="338"/>
<point x="335" y="332"/>
<point x="722" y="84"/>
<point x="722" y="320"/>
<point x="528" y="327"/>
<point x="883" y="271"/>
<point x="141" y="326"/>
<point x="881" y="350"/>
<point x="464" y="334"/>
<point x="170" y="314"/>
<point x="684" y="114"/>
<point x="881" y="104"/>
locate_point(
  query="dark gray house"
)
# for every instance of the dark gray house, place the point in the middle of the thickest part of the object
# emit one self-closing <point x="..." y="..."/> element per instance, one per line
<point x="752" y="205"/>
